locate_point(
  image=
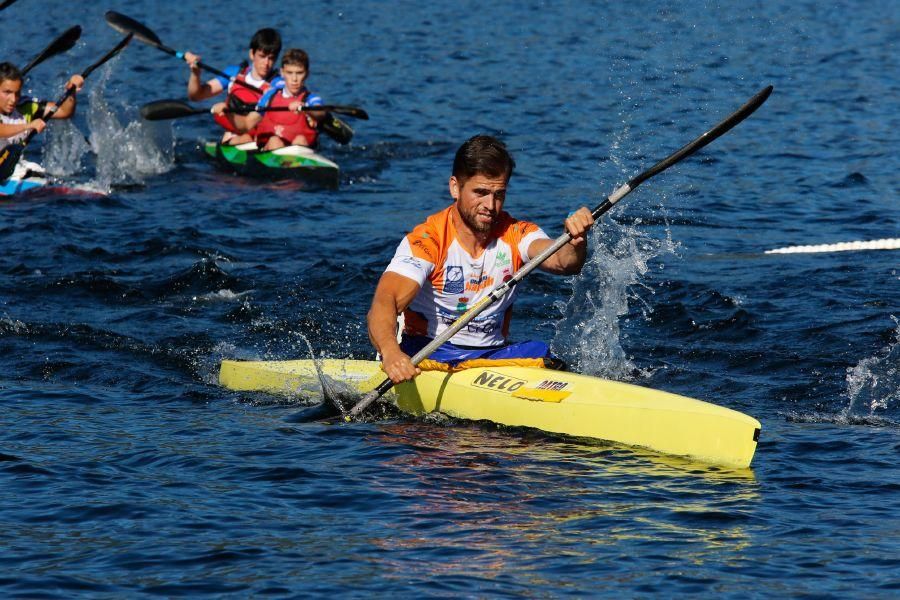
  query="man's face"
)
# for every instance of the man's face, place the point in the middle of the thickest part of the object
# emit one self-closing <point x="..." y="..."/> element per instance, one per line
<point x="262" y="63"/>
<point x="294" y="78"/>
<point x="479" y="200"/>
<point x="10" y="93"/>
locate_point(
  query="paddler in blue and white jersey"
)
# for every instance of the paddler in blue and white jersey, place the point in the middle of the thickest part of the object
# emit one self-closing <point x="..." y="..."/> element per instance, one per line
<point x="454" y="259"/>
<point x="19" y="115"/>
<point x="265" y="46"/>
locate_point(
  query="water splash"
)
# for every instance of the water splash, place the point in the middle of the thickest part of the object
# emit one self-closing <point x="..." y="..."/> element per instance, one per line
<point x="589" y="337"/>
<point x="873" y="385"/>
<point x="338" y="394"/>
<point x="65" y="148"/>
<point x="126" y="154"/>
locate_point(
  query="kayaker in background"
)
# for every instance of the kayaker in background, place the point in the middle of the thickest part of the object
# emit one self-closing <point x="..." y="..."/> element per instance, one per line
<point x="454" y="259"/>
<point x="20" y="115"/>
<point x="277" y="129"/>
<point x="265" y="46"/>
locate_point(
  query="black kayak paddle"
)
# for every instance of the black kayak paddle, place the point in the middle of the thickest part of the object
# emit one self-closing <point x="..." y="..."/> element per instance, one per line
<point x="160" y="110"/>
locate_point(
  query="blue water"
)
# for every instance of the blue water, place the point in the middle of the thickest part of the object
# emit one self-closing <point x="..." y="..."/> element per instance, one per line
<point x="125" y="470"/>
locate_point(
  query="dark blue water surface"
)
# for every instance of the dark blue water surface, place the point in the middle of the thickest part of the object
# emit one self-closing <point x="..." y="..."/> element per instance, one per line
<point x="125" y="470"/>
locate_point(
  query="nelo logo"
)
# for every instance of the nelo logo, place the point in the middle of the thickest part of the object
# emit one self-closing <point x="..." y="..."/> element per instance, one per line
<point x="498" y="382"/>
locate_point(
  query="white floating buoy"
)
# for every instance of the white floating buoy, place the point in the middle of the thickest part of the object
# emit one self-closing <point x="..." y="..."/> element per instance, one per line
<point x="885" y="244"/>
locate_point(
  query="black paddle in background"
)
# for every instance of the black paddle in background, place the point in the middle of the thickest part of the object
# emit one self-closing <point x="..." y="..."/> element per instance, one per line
<point x="161" y="110"/>
<point x="125" y="24"/>
<point x="5" y="3"/>
<point x="13" y="152"/>
<point x="497" y="293"/>
<point x="334" y="127"/>
<point x="61" y="44"/>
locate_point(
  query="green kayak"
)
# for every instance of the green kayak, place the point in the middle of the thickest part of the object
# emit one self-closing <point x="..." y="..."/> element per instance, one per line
<point x="295" y="162"/>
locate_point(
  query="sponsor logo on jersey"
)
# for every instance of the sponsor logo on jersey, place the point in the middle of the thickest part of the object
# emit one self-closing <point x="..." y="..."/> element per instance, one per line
<point x="476" y="284"/>
<point x="413" y="261"/>
<point x="454" y="280"/>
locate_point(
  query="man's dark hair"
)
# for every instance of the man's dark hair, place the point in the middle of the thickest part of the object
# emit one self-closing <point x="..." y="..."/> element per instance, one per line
<point x="267" y="40"/>
<point x="9" y="71"/>
<point x="295" y="57"/>
<point x="482" y="155"/>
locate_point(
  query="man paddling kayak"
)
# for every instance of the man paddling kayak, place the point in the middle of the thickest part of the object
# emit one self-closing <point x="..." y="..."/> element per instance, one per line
<point x="264" y="49"/>
<point x="455" y="258"/>
<point x="18" y="115"/>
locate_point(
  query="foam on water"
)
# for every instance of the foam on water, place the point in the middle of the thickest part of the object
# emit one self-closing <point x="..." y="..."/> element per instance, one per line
<point x="873" y="384"/>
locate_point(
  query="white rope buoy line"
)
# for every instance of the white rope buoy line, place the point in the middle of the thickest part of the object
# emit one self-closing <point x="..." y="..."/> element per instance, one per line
<point x="884" y="244"/>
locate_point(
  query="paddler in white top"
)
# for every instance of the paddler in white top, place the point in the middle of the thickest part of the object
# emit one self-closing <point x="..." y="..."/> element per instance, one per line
<point x="455" y="259"/>
<point x="265" y="46"/>
<point x="18" y="116"/>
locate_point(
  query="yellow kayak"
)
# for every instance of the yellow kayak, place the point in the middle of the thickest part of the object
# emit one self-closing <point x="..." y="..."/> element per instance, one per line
<point x="552" y="401"/>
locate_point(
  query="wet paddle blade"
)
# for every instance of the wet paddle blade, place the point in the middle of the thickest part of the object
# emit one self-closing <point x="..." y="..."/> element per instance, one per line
<point x="9" y="158"/>
<point x="161" y="110"/>
<point x="61" y="44"/>
<point x="124" y="24"/>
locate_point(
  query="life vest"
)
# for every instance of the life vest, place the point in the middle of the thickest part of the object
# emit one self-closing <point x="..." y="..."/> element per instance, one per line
<point x="242" y="97"/>
<point x="285" y="124"/>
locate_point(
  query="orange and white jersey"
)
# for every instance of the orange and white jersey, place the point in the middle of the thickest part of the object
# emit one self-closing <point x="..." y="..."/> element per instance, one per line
<point x="452" y="280"/>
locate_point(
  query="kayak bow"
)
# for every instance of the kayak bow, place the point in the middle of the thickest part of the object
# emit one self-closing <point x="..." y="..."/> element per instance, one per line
<point x="294" y="162"/>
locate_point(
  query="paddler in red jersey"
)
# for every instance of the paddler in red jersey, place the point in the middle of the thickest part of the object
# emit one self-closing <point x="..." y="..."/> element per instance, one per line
<point x="259" y="73"/>
<point x="294" y="126"/>
<point x="454" y="259"/>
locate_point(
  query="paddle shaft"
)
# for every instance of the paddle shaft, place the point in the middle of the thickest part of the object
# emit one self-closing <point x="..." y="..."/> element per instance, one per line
<point x="497" y="293"/>
<point x="323" y="107"/>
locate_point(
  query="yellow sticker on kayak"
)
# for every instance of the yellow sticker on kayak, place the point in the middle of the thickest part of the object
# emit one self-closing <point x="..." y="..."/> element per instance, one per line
<point x="545" y="391"/>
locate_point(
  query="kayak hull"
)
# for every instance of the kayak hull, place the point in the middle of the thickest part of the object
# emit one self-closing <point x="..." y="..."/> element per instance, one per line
<point x="14" y="186"/>
<point x="552" y="401"/>
<point x="291" y="162"/>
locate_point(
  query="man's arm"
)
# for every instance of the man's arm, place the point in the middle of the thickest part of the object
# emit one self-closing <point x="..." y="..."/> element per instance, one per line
<point x="393" y="294"/>
<point x="569" y="259"/>
<point x="198" y="90"/>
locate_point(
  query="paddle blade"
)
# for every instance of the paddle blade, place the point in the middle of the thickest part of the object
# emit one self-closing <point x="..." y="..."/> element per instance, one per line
<point x="161" y="110"/>
<point x="350" y="111"/>
<point x="336" y="129"/>
<point x="61" y="44"/>
<point x="124" y="24"/>
<point x="9" y="158"/>
<point x="6" y="3"/>
<point x="716" y="132"/>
